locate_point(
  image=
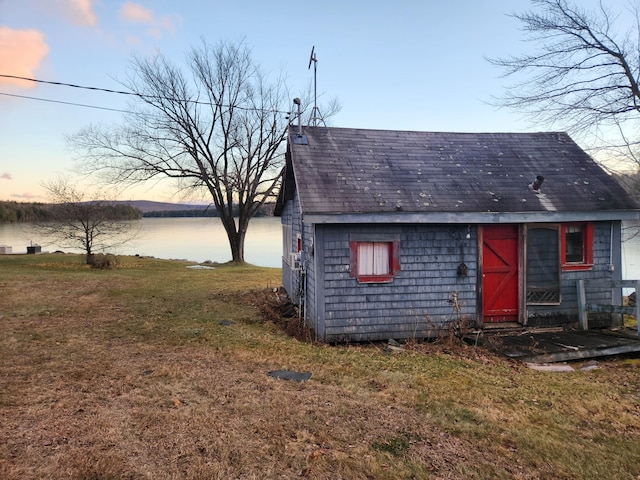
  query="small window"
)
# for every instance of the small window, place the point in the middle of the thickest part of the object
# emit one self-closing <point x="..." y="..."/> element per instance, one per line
<point x="374" y="262"/>
<point x="577" y="246"/>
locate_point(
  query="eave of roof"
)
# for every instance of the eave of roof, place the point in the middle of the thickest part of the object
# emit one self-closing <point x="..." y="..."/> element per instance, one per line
<point x="471" y="217"/>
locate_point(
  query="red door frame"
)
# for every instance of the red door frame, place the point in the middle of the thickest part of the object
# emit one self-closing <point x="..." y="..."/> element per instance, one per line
<point x="499" y="281"/>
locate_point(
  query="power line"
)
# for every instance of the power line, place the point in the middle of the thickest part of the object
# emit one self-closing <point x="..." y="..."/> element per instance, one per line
<point x="108" y="90"/>
<point x="122" y="92"/>
<point x="64" y="103"/>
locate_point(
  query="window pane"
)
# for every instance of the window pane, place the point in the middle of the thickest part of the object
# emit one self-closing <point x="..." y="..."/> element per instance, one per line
<point x="380" y="258"/>
<point x="373" y="258"/>
<point x="574" y="243"/>
<point x="365" y="258"/>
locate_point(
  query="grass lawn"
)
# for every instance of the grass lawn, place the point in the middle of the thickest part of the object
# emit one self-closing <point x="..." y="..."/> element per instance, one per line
<point x="129" y="374"/>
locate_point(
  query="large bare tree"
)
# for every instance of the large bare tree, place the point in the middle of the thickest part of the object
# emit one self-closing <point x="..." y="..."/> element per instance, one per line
<point x="219" y="126"/>
<point x="583" y="74"/>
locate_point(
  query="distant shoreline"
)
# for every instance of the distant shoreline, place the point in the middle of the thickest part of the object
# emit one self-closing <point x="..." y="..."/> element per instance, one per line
<point x="27" y="212"/>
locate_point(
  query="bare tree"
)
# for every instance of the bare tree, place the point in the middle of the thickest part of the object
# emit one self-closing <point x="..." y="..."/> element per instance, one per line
<point x="220" y="128"/>
<point x="584" y="75"/>
<point x="77" y="221"/>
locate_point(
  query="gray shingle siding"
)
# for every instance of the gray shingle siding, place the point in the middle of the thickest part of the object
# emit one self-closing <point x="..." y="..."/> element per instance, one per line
<point x="290" y="218"/>
<point x="310" y="279"/>
<point x="415" y="302"/>
<point x="300" y="285"/>
<point x="286" y="221"/>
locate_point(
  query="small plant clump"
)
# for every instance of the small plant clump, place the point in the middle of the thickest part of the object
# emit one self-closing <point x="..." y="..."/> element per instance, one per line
<point x="277" y="308"/>
<point x="102" y="261"/>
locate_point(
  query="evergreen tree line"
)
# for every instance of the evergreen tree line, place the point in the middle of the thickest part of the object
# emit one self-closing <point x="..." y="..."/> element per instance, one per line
<point x="18" y="212"/>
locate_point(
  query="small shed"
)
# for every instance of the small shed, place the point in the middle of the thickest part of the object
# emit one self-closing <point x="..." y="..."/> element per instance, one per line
<point x="402" y="234"/>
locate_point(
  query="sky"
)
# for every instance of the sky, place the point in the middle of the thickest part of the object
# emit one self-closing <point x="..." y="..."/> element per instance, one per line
<point x="401" y="65"/>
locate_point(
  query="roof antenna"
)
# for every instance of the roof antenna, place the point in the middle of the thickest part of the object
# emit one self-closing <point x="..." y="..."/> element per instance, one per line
<point x="315" y="112"/>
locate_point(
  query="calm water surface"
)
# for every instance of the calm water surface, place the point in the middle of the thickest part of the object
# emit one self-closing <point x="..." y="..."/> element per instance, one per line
<point x="197" y="239"/>
<point x="201" y="239"/>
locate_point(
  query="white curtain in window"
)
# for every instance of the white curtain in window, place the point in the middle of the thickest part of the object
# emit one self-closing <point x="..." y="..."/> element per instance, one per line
<point x="373" y="258"/>
<point x="365" y="258"/>
<point x="381" y="258"/>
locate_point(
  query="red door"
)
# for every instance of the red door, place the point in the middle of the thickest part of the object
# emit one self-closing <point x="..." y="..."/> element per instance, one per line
<point x="500" y="298"/>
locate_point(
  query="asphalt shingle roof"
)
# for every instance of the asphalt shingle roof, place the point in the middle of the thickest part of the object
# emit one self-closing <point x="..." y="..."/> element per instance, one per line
<point x="346" y="170"/>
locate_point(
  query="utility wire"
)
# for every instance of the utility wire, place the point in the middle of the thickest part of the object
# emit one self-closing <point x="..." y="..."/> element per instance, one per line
<point x="120" y="92"/>
<point x="64" y="103"/>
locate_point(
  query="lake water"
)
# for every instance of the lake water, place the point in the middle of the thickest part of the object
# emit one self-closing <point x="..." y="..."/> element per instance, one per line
<point x="201" y="239"/>
<point x="197" y="239"/>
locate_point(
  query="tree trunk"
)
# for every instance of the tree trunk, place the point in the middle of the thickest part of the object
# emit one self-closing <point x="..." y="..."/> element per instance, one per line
<point x="236" y="238"/>
<point x="236" y="241"/>
<point x="237" y="249"/>
<point x="88" y="253"/>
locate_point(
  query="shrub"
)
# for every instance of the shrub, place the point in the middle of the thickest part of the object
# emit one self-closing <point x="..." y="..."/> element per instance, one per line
<point x="102" y="261"/>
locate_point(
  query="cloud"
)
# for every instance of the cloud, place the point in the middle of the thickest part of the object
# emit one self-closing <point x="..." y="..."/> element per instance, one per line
<point x="21" y="53"/>
<point x="5" y="176"/>
<point x="135" y="13"/>
<point x="79" y="12"/>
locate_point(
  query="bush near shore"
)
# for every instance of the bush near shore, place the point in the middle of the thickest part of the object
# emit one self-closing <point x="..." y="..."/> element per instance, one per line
<point x="155" y="370"/>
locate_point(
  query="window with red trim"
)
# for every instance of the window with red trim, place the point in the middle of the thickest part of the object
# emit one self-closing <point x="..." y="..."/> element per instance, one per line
<point x="577" y="246"/>
<point x="374" y="262"/>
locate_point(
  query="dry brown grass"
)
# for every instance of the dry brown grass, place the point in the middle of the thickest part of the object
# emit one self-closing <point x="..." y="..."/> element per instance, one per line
<point x="128" y="374"/>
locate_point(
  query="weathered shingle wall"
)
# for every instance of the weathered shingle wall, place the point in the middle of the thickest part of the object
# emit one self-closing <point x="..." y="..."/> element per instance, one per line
<point x="287" y="279"/>
<point x="416" y="302"/>
<point x="310" y="277"/>
<point x="291" y="219"/>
